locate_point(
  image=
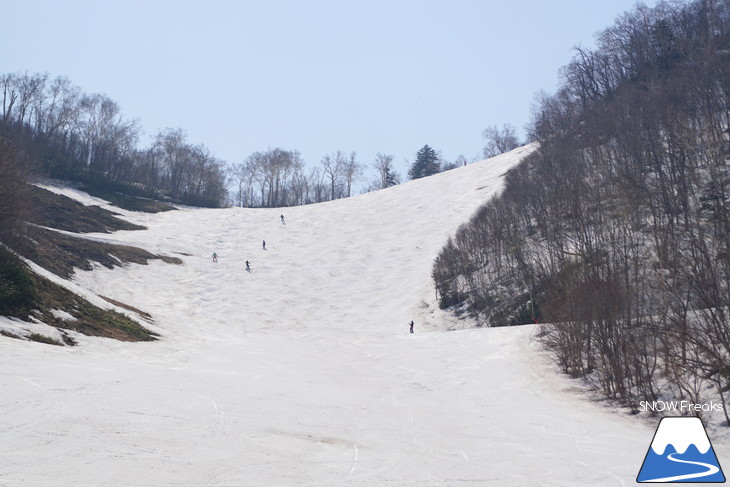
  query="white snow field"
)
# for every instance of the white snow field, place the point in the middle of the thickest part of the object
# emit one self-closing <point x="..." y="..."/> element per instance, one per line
<point x="302" y="372"/>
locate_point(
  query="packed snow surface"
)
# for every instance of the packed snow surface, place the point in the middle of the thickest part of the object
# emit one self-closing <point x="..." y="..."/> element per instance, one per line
<point x="302" y="371"/>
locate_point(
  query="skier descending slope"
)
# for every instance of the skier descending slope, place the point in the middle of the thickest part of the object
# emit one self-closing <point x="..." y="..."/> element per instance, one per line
<point x="248" y="266"/>
<point x="214" y="257"/>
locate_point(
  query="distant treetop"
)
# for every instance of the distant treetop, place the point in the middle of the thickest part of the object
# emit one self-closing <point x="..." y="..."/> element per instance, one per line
<point x="427" y="163"/>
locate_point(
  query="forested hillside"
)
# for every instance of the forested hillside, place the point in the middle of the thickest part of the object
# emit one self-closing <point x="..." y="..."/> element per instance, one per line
<point x="59" y="131"/>
<point x="49" y="128"/>
<point x="616" y="231"/>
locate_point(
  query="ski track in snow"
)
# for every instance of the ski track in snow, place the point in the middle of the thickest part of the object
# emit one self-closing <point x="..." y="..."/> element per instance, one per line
<point x="303" y="372"/>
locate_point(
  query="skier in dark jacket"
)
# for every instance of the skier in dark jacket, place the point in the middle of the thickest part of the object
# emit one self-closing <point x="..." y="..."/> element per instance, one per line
<point x="264" y="244"/>
<point x="411" y="326"/>
<point x="248" y="266"/>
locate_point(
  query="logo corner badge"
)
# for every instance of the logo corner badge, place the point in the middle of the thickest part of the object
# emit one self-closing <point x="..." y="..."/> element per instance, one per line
<point x="680" y="452"/>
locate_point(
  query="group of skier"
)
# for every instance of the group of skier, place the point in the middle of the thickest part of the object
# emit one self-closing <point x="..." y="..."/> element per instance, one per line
<point x="214" y="257"/>
<point x="263" y="245"/>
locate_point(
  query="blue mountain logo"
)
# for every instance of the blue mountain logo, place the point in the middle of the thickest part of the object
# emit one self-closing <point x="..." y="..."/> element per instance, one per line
<point x="681" y="452"/>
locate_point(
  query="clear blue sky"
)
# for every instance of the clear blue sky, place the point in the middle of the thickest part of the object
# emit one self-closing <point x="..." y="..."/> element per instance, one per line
<point x="311" y="75"/>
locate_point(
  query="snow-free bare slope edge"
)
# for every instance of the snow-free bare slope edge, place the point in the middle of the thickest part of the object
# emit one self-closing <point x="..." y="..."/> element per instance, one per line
<point x="302" y="372"/>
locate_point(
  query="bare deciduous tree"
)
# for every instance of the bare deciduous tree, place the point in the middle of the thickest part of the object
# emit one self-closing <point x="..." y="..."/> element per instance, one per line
<point x="351" y="172"/>
<point x="385" y="175"/>
<point x="499" y="141"/>
<point x="333" y="167"/>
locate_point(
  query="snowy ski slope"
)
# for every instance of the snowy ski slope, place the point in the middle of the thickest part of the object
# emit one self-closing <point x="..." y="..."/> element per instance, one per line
<point x="302" y="372"/>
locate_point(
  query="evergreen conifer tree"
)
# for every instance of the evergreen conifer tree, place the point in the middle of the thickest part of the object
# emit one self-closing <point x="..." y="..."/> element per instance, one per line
<point x="427" y="163"/>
